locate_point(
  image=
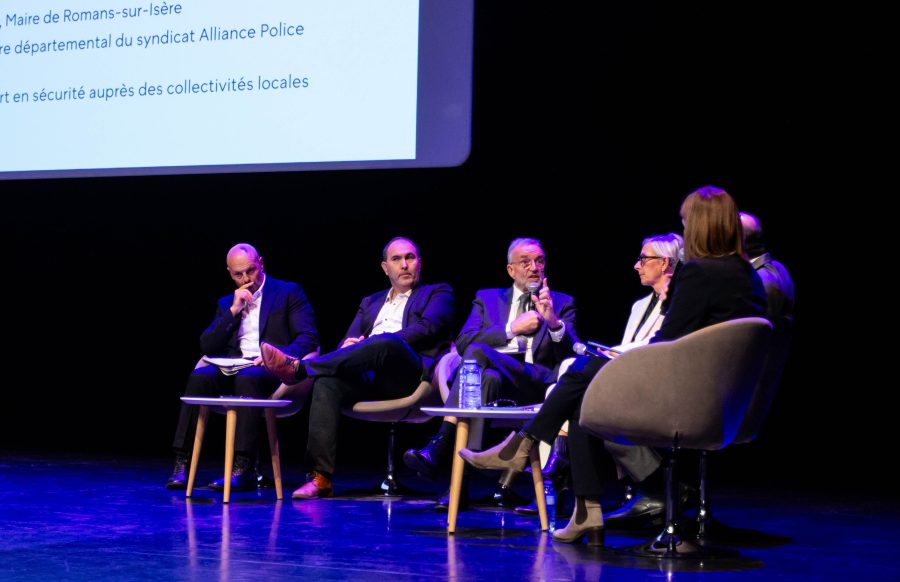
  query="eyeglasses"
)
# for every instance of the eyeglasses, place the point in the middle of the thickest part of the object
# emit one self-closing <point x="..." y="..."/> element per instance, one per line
<point x="539" y="262"/>
<point x="644" y="258"/>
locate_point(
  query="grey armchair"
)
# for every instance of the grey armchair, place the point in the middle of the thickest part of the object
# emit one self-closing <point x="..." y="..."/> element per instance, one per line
<point x="402" y="410"/>
<point x="693" y="393"/>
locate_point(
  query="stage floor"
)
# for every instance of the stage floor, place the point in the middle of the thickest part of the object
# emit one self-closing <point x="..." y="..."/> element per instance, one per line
<point x="109" y="518"/>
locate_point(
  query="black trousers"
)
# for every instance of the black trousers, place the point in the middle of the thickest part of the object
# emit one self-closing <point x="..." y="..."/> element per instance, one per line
<point x="585" y="450"/>
<point x="381" y="367"/>
<point x="564" y="403"/>
<point x="254" y="382"/>
<point x="504" y="376"/>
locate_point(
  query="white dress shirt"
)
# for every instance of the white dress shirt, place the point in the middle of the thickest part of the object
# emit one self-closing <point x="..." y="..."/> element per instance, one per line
<point x="390" y="316"/>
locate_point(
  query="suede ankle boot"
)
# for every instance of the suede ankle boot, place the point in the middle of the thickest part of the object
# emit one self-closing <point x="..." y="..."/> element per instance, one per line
<point x="586" y="520"/>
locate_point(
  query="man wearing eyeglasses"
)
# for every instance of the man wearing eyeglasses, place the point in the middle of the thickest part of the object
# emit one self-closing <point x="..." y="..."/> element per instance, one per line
<point x="519" y="335"/>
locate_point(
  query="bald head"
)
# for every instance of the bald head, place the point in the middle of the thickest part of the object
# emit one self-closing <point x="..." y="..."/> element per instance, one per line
<point x="242" y="249"/>
<point x="245" y="266"/>
<point x="753" y="235"/>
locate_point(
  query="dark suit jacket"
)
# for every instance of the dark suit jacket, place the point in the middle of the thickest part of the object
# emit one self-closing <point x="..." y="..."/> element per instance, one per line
<point x="704" y="292"/>
<point x="487" y="325"/>
<point x="779" y="288"/>
<point x="427" y="318"/>
<point x="286" y="320"/>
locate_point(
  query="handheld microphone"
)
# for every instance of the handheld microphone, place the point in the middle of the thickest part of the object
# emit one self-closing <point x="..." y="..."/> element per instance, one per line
<point x="533" y="287"/>
<point x="583" y="350"/>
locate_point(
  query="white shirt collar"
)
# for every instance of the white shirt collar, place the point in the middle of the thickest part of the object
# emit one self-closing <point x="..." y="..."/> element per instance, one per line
<point x="391" y="290"/>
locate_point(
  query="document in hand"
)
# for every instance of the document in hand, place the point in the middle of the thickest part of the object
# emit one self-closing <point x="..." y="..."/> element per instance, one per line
<point x="229" y="366"/>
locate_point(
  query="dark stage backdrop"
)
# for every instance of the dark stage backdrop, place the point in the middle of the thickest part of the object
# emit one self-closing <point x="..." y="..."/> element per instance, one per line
<point x="590" y="125"/>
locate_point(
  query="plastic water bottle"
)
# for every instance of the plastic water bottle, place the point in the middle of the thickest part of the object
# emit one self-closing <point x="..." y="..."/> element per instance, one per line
<point x="550" y="497"/>
<point x="470" y="385"/>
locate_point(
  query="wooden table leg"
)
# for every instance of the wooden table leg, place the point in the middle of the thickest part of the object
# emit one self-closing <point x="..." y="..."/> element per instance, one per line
<point x="198" y="442"/>
<point x="456" y="476"/>
<point x="535" y="457"/>
<point x="230" y="426"/>
<point x="272" y="429"/>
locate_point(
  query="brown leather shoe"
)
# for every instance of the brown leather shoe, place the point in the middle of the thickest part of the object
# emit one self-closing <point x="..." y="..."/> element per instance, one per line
<point x="284" y="367"/>
<point x="317" y="487"/>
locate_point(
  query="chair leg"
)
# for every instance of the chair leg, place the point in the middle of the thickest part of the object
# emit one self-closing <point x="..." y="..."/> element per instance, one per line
<point x="668" y="540"/>
<point x="272" y="429"/>
<point x="198" y="442"/>
<point x="670" y="543"/>
<point x="390" y="486"/>
<point x="705" y="528"/>
<point x="704" y="517"/>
